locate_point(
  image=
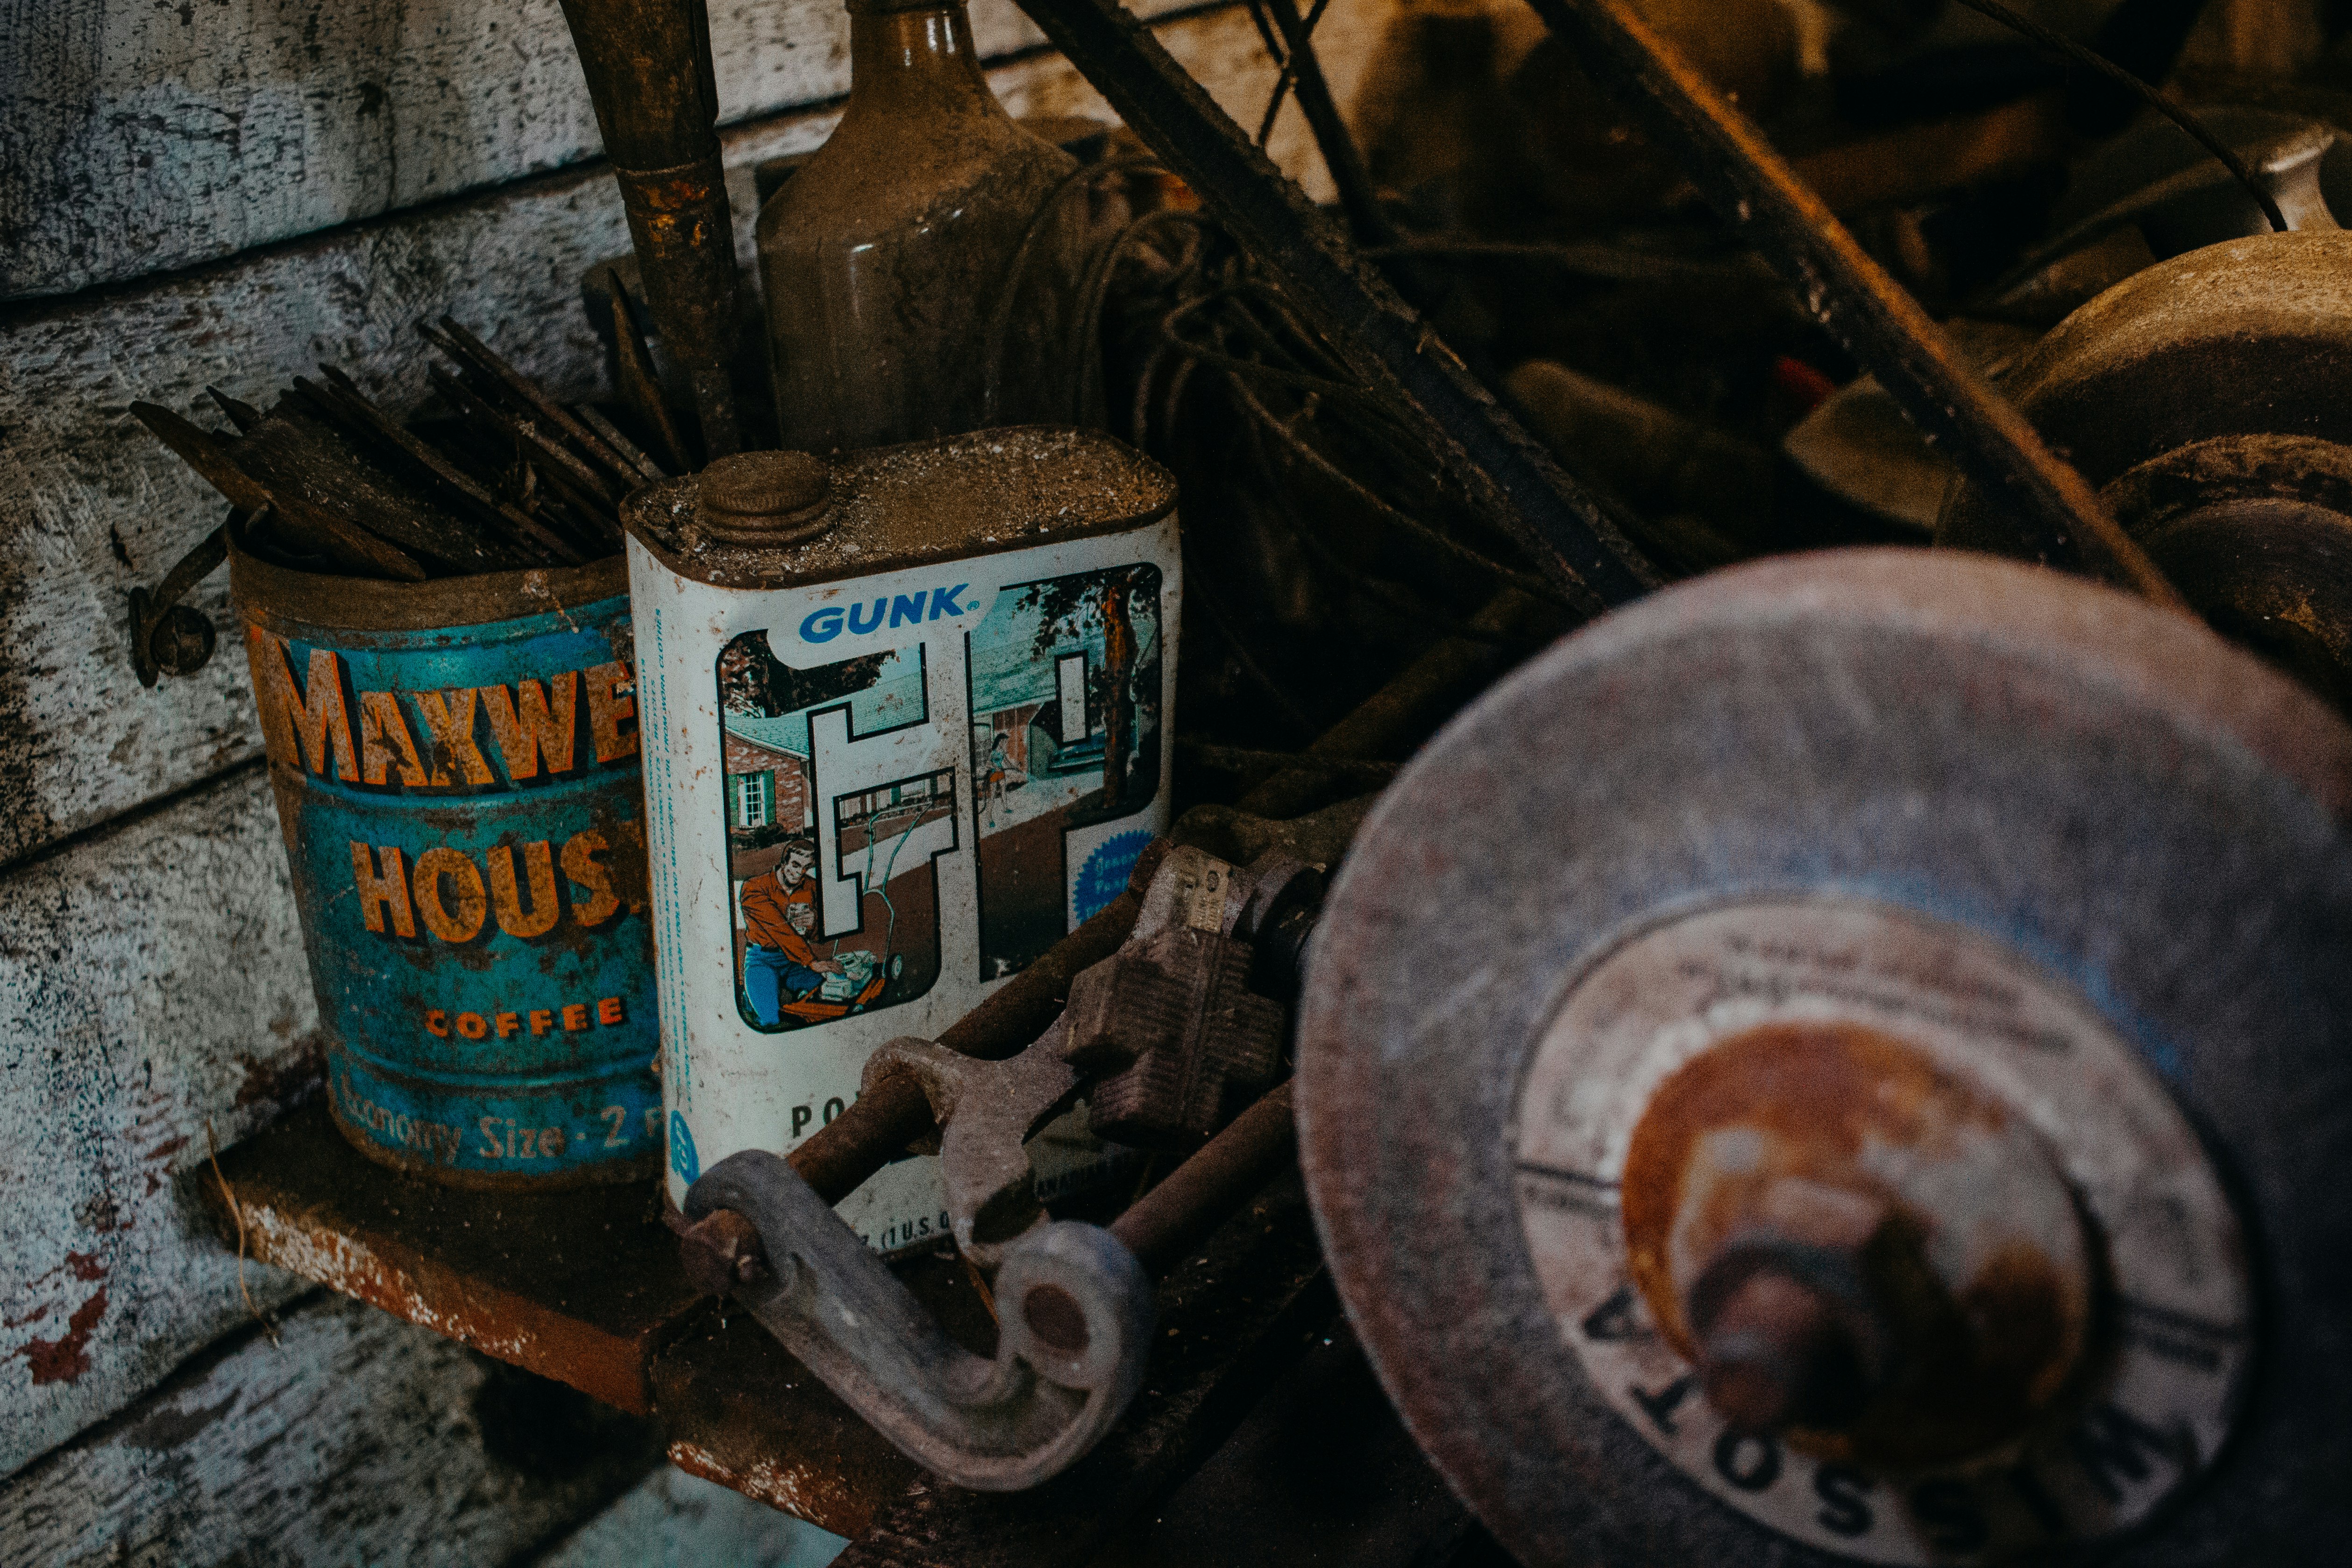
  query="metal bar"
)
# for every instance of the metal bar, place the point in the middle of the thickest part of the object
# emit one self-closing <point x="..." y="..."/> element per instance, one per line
<point x="1166" y="1225"/>
<point x="1257" y="766"/>
<point x="1231" y="1320"/>
<point x="1423" y="694"/>
<point x="1568" y="529"/>
<point x="580" y="1286"/>
<point x="2060" y="520"/>
<point x="1341" y="156"/>
<point x="650" y="79"/>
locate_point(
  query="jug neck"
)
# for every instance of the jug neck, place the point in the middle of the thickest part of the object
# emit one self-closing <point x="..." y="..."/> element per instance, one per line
<point x="915" y="57"/>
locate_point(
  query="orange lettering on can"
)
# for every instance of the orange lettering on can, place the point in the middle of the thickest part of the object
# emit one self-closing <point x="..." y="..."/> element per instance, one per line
<point x="384" y="892"/>
<point x="473" y="902"/>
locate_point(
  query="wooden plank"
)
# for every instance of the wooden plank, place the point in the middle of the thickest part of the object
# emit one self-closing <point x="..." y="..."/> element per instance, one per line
<point x="151" y="982"/>
<point x="146" y="138"/>
<point x="91" y="504"/>
<point x="738" y="1411"/>
<point x="356" y="1438"/>
<point x="150" y="974"/>
<point x="584" y="1288"/>
<point x="152" y="977"/>
<point x="677" y="1518"/>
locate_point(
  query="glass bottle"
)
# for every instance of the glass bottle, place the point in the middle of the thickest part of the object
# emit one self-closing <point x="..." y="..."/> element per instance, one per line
<point x="885" y="259"/>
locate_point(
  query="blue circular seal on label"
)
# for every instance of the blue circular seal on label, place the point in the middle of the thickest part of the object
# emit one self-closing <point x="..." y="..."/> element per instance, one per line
<point x="1103" y="876"/>
<point x="681" y="1149"/>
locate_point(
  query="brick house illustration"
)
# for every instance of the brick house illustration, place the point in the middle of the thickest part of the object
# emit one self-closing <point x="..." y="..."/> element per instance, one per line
<point x="767" y="775"/>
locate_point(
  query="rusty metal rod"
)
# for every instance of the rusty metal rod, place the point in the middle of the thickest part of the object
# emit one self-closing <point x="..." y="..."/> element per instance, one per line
<point x="1162" y="1229"/>
<point x="2060" y="518"/>
<point x="880" y="1124"/>
<point x="657" y="98"/>
<point x="1166" y="1225"/>
<point x="1352" y="772"/>
<point x="1569" y="528"/>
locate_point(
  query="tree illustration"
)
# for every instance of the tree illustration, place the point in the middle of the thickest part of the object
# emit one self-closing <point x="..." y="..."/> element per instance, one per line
<point x="1066" y="608"/>
<point x="753" y="682"/>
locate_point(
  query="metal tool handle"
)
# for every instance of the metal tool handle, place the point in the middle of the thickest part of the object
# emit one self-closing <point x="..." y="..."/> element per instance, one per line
<point x="1076" y="1313"/>
<point x="650" y="76"/>
<point x="2059" y="518"/>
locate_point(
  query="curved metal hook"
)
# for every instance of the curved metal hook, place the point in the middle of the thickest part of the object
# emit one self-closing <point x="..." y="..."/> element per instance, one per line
<point x="1075" y="1312"/>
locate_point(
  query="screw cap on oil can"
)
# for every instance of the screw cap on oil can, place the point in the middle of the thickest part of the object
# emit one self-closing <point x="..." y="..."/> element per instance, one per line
<point x="765" y="499"/>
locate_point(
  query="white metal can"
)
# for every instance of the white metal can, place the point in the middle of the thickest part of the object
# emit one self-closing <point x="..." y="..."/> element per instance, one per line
<point x="888" y="762"/>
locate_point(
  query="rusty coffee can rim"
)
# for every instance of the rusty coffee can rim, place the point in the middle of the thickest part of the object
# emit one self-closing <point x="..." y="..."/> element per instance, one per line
<point x="270" y="592"/>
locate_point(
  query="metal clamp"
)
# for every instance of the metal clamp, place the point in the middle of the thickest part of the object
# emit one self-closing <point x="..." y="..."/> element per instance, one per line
<point x="1074" y="1306"/>
<point x="987" y="1111"/>
<point x="1198" y="914"/>
<point x="1074" y="1327"/>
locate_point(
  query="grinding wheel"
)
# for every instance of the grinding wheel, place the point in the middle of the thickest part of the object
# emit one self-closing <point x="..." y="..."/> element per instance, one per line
<point x="1850" y="1060"/>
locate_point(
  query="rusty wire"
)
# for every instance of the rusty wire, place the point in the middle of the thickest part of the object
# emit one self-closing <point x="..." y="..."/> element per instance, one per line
<point x="1289" y="74"/>
<point x="1188" y="299"/>
<point x="237" y="1212"/>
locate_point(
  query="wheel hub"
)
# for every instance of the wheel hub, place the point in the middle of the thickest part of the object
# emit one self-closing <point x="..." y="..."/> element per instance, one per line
<point x="1872" y="1165"/>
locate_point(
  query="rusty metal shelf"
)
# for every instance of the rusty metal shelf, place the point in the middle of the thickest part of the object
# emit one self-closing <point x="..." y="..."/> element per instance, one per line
<point x="583" y="1286"/>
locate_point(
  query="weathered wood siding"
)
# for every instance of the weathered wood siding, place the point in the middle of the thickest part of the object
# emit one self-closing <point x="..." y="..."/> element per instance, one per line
<point x="92" y="506"/>
<point x="356" y="1438"/>
<point x="151" y="983"/>
<point x="678" y="1521"/>
<point x="143" y="138"/>
<point x="227" y="192"/>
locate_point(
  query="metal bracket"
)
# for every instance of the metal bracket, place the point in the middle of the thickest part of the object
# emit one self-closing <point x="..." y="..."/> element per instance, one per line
<point x="168" y="638"/>
<point x="987" y="1111"/>
<point x="1570" y="530"/>
<point x="2059" y="518"/>
<point x="1075" y="1320"/>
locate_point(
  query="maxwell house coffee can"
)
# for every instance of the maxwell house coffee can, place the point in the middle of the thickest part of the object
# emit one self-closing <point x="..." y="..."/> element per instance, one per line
<point x="905" y="716"/>
<point x="455" y="768"/>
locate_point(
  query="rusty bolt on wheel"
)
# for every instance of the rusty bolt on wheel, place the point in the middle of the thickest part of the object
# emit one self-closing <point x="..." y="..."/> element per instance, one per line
<point x="1778" y="1347"/>
<point x="720" y="1251"/>
<point x="1844" y="1238"/>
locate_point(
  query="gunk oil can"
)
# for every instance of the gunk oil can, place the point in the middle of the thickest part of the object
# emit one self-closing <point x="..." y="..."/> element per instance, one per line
<point x="906" y="716"/>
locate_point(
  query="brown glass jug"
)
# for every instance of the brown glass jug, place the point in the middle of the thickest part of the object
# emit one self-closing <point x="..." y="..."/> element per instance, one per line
<point x="920" y="271"/>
